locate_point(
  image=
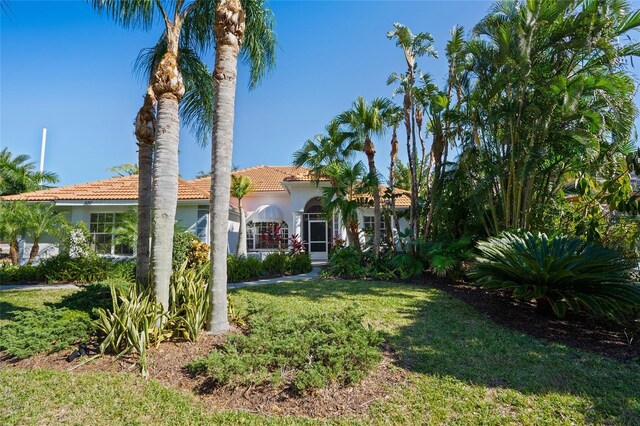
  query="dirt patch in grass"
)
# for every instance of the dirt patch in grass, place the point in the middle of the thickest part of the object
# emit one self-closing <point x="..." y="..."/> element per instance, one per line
<point x="166" y="365"/>
<point x="577" y="331"/>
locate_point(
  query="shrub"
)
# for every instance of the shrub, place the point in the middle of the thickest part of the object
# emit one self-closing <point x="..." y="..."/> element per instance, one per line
<point x="43" y="330"/>
<point x="563" y="272"/>
<point x="188" y="300"/>
<point x="445" y="258"/>
<point x="297" y="352"/>
<point x="19" y="274"/>
<point x="134" y="321"/>
<point x="407" y="265"/>
<point x="182" y="244"/>
<point x="299" y="264"/>
<point x="275" y="263"/>
<point x="55" y="326"/>
<point x="63" y="268"/>
<point x="198" y="253"/>
<point x="241" y="268"/>
<point x="346" y="263"/>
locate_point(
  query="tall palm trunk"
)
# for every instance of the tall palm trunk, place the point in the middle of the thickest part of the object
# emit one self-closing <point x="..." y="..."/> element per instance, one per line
<point x="370" y="151"/>
<point x="242" y="232"/>
<point x="392" y="178"/>
<point x="168" y="89"/>
<point x="229" y="30"/>
<point x="145" y="133"/>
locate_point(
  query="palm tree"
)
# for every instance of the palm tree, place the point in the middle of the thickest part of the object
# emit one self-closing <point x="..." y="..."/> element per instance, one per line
<point x="393" y="116"/>
<point x="167" y="89"/>
<point x="241" y="186"/>
<point x="413" y="46"/>
<point x="240" y="26"/>
<point x="334" y="146"/>
<point x="18" y="174"/>
<point x="343" y="197"/>
<point x="12" y="226"/>
<point x="366" y="121"/>
<point x="196" y="111"/>
<point x="125" y="169"/>
<point x="40" y="220"/>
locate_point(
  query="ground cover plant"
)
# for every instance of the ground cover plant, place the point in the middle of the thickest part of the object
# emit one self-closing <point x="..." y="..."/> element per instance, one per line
<point x="462" y="368"/>
<point x="32" y="322"/>
<point x="293" y="351"/>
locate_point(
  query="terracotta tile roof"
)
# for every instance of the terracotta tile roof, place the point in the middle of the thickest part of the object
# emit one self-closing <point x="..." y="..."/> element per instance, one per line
<point x="120" y="188"/>
<point x="263" y="178"/>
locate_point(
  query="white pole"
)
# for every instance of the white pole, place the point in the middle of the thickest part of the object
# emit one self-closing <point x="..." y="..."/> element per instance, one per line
<point x="44" y="144"/>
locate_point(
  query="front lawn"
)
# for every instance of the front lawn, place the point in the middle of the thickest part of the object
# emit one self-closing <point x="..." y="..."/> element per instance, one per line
<point x="461" y="368"/>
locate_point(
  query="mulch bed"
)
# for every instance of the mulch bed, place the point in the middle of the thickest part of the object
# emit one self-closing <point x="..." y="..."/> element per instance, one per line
<point x="577" y="331"/>
<point x="167" y="362"/>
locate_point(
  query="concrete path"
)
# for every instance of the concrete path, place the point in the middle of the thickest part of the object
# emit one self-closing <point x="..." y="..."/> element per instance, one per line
<point x="39" y="287"/>
<point x="303" y="277"/>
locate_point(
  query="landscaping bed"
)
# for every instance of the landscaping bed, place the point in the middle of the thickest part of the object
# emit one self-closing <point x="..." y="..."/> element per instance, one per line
<point x="444" y="362"/>
<point x="575" y="330"/>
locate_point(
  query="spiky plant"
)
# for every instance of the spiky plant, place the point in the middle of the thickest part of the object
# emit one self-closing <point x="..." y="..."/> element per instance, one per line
<point x="561" y="272"/>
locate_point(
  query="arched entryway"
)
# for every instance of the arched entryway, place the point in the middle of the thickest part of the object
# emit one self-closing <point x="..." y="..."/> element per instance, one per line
<point x="316" y="230"/>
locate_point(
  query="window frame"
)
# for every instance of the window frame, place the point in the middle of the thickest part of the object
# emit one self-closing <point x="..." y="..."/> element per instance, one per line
<point x="98" y="228"/>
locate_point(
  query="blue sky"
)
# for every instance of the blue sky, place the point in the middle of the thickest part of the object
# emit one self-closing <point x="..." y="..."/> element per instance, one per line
<point x="65" y="67"/>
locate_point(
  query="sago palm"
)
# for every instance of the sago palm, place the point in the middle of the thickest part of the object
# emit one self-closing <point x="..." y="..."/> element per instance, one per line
<point x="240" y="28"/>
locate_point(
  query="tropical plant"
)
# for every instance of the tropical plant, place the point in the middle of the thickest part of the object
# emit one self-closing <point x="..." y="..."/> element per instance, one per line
<point x="18" y="174"/>
<point x="12" y="225"/>
<point x="125" y="169"/>
<point x="346" y="195"/>
<point x="413" y="47"/>
<point x="189" y="304"/>
<point x="134" y="321"/>
<point x="240" y="28"/>
<point x="240" y="187"/>
<point x="126" y="232"/>
<point x="41" y="220"/>
<point x="560" y="272"/>
<point x="184" y="23"/>
<point x="549" y="101"/>
<point x="334" y="146"/>
<point x="365" y="121"/>
<point x="446" y="258"/>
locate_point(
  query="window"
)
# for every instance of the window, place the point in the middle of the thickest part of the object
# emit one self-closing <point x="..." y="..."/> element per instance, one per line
<point x="102" y="227"/>
<point x="202" y="225"/>
<point x="268" y="235"/>
<point x="367" y="226"/>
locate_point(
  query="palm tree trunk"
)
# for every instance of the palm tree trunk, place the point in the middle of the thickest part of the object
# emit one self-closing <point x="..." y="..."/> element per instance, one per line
<point x="392" y="181"/>
<point x="14" y="252"/>
<point x="35" y="248"/>
<point x="370" y="151"/>
<point x="145" y="133"/>
<point x="242" y="232"/>
<point x="165" y="195"/>
<point x="229" y="31"/>
<point x="168" y="89"/>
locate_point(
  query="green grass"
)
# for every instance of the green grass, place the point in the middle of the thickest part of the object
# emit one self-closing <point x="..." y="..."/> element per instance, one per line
<point x="463" y="369"/>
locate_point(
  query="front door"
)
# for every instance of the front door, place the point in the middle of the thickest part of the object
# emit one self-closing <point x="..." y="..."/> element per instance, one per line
<point x="318" y="247"/>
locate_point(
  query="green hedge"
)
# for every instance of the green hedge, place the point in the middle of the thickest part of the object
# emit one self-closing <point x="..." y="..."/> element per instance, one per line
<point x="249" y="268"/>
<point x="64" y="269"/>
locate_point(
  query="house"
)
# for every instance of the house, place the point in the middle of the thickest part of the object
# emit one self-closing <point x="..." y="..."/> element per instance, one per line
<point x="284" y="202"/>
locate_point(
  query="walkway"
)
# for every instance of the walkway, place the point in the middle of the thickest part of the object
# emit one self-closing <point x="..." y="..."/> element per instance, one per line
<point x="302" y="277"/>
